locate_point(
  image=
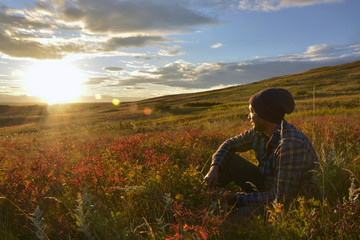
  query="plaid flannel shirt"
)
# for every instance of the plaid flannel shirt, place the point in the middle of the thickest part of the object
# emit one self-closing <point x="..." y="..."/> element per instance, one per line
<point x="284" y="160"/>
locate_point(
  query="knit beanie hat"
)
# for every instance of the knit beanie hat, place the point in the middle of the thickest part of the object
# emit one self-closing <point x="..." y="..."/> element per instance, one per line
<point x="271" y="104"/>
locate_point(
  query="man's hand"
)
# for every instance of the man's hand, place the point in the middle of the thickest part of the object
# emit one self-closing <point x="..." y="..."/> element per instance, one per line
<point x="221" y="193"/>
<point x="212" y="178"/>
<point x="230" y="198"/>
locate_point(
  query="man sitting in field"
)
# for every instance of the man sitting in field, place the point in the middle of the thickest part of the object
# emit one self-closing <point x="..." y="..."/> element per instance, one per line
<point x="285" y="156"/>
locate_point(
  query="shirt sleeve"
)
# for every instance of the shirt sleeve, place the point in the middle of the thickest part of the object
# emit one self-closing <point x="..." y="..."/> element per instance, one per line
<point x="293" y="162"/>
<point x="240" y="143"/>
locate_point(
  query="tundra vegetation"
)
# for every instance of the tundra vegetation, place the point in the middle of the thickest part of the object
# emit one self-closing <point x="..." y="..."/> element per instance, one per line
<point x="135" y="170"/>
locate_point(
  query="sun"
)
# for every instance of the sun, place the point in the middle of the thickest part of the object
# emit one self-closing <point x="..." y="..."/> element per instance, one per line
<point x="54" y="81"/>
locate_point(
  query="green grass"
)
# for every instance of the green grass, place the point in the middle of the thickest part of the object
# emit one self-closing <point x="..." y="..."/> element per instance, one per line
<point x="99" y="171"/>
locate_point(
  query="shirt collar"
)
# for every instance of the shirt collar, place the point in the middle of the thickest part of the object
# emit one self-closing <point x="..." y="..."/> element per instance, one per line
<point x="276" y="137"/>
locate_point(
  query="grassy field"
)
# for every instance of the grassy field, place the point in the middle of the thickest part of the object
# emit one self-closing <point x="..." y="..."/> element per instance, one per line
<point x="135" y="170"/>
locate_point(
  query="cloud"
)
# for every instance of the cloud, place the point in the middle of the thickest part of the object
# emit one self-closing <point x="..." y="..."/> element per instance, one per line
<point x="135" y="88"/>
<point x="25" y="45"/>
<point x="25" y="48"/>
<point x="53" y="29"/>
<point x="95" y="81"/>
<point x="21" y="36"/>
<point x="321" y="49"/>
<point x="42" y="6"/>
<point x="73" y="14"/>
<point x="113" y="69"/>
<point x="210" y="75"/>
<point x="217" y="45"/>
<point x="146" y="58"/>
<point x="186" y="76"/>
<point x="136" y="16"/>
<point x="10" y="17"/>
<point x="134" y="41"/>
<point x="172" y="51"/>
<point x="300" y="3"/>
<point x="33" y="20"/>
<point x="276" y="5"/>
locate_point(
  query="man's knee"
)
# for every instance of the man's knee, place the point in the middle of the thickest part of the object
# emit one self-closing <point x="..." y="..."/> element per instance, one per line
<point x="243" y="173"/>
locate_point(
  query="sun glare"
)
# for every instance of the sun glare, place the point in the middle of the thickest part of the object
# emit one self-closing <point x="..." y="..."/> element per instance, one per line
<point x="54" y="81"/>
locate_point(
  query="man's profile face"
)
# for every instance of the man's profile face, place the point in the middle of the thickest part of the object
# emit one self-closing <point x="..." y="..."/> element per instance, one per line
<point x="255" y="120"/>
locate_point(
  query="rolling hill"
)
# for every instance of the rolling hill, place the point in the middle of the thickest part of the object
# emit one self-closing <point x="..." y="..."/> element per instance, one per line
<point x="317" y="91"/>
<point x="334" y="81"/>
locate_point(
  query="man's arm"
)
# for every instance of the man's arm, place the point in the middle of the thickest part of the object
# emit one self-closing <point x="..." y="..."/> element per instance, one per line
<point x="240" y="143"/>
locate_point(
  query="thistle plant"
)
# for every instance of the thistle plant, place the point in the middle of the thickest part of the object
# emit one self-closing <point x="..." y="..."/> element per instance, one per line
<point x="37" y="222"/>
<point x="354" y="193"/>
<point x="83" y="212"/>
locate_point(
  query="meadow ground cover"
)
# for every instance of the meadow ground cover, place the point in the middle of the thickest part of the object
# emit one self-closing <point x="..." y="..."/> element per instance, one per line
<point x="149" y="185"/>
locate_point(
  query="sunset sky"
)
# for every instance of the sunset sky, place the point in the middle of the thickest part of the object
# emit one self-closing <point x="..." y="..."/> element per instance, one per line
<point x="87" y="50"/>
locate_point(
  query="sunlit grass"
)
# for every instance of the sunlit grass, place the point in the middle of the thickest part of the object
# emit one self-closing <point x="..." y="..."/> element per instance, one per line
<point x="148" y="183"/>
<point x="105" y="171"/>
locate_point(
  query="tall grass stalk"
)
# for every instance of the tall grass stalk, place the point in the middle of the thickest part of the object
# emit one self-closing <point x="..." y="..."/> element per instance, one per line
<point x="35" y="218"/>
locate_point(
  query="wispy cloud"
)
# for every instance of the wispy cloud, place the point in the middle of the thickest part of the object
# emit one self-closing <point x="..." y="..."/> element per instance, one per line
<point x="113" y="69"/>
<point x="217" y="45"/>
<point x="171" y="51"/>
<point x="22" y="48"/>
<point x="133" y="41"/>
<point x="96" y="81"/>
<point x="133" y="16"/>
<point x="276" y="5"/>
<point x="211" y="75"/>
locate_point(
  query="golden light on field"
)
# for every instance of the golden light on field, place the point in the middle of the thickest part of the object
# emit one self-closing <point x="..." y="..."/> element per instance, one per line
<point x="54" y="81"/>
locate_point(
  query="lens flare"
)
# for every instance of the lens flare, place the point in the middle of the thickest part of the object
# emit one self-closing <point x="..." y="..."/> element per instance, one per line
<point x="98" y="96"/>
<point x="116" y="101"/>
<point x="147" y="111"/>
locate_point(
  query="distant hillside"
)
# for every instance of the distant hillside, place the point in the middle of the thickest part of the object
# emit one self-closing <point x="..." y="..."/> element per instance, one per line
<point x="331" y="81"/>
<point x="326" y="90"/>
